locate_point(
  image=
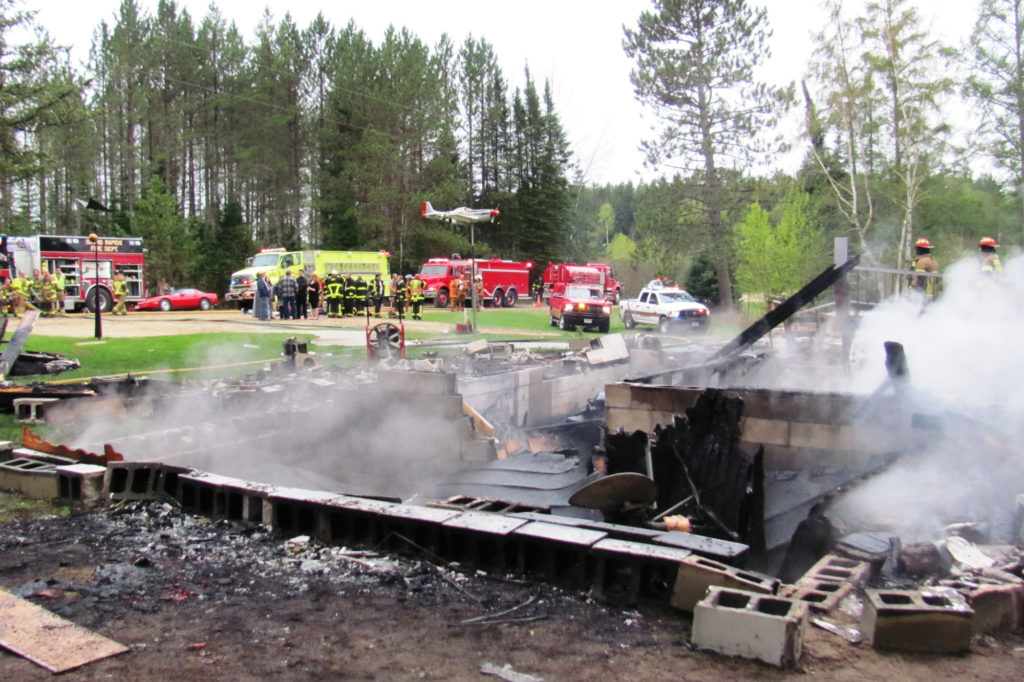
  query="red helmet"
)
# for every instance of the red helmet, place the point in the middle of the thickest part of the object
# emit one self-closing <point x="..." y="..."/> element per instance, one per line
<point x="987" y="241"/>
<point x="923" y="243"/>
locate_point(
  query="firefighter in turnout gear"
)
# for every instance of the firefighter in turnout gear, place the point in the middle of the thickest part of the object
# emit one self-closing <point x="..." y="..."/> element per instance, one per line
<point x="48" y="293"/>
<point x="989" y="258"/>
<point x="397" y="296"/>
<point x="350" y="295"/>
<point x="19" y="295"/>
<point x="361" y="291"/>
<point x="924" y="261"/>
<point x="59" y="283"/>
<point x="415" y="288"/>
<point x="334" y="288"/>
<point x="120" y="293"/>
<point x="6" y="296"/>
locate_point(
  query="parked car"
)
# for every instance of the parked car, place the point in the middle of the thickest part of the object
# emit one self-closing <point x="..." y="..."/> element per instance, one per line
<point x="573" y="305"/>
<point x="671" y="308"/>
<point x="179" y="299"/>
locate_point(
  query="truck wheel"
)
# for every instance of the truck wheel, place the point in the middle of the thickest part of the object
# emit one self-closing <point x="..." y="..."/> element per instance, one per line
<point x="106" y="300"/>
<point x="563" y="325"/>
<point x="511" y="298"/>
<point x="497" y="298"/>
<point x="204" y="304"/>
<point x="602" y="327"/>
<point x="627" y="319"/>
<point x="164" y="305"/>
<point x="554" y="322"/>
<point x="617" y="297"/>
<point x="663" y="325"/>
<point x="442" y="299"/>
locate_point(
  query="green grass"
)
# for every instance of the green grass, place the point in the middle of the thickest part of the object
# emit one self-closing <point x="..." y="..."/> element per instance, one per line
<point x="17" y="506"/>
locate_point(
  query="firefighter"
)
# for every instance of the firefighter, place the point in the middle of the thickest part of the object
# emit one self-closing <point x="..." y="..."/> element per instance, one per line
<point x="6" y="294"/>
<point x="377" y="294"/>
<point x="20" y="295"/>
<point x="48" y="293"/>
<point x="924" y="261"/>
<point x="480" y="293"/>
<point x="350" y="295"/>
<point x="60" y="283"/>
<point x="362" y="290"/>
<point x="989" y="258"/>
<point x="120" y="293"/>
<point x="416" y="296"/>
<point x="334" y="286"/>
<point x="538" y="293"/>
<point x="458" y="293"/>
<point x="397" y="296"/>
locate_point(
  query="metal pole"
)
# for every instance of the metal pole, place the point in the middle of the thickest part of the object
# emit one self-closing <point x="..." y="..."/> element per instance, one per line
<point x="472" y="274"/>
<point x="96" y="285"/>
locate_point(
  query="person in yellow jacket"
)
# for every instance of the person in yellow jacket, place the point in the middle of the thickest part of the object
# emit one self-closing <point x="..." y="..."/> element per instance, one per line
<point x="120" y="294"/>
<point x="48" y="293"/>
<point x="20" y="294"/>
<point x="924" y="262"/>
<point x="59" y="283"/>
<point x="415" y="289"/>
<point x="989" y="258"/>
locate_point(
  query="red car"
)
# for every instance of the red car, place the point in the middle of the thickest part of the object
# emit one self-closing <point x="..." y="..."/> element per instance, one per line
<point x="579" y="304"/>
<point x="179" y="299"/>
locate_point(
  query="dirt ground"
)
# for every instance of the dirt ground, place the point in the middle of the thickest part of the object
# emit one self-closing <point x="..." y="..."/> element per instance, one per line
<point x="343" y="331"/>
<point x="195" y="599"/>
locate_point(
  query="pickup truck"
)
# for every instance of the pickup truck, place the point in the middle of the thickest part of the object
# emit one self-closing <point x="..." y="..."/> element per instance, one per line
<point x="573" y="305"/>
<point x="670" y="308"/>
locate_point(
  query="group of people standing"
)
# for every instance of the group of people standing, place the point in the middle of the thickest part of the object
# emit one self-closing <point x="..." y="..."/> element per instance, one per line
<point x="926" y="267"/>
<point x="42" y="291"/>
<point x="462" y="289"/>
<point x="297" y="297"/>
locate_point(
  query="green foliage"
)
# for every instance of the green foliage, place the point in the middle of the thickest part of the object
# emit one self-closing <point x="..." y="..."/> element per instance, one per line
<point x="702" y="281"/>
<point x="221" y="251"/>
<point x="165" y="234"/>
<point x="776" y="260"/>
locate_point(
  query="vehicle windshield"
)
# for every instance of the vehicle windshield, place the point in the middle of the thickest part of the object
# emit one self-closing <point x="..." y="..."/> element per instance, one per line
<point x="676" y="297"/>
<point x="582" y="292"/>
<point x="265" y="260"/>
<point x="434" y="270"/>
<point x="183" y="291"/>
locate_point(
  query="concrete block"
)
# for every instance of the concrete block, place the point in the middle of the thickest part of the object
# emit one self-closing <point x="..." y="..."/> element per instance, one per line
<point x="81" y="485"/>
<point x="825" y="584"/>
<point x="31" y="477"/>
<point x="627" y="572"/>
<point x="997" y="608"/>
<point x="610" y="348"/>
<point x="917" y="620"/>
<point x="751" y="625"/>
<point x="478" y="450"/>
<point x="32" y="410"/>
<point x="698" y="574"/>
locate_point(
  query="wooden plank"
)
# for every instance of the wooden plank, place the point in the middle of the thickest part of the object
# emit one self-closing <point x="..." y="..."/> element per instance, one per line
<point x="47" y="639"/>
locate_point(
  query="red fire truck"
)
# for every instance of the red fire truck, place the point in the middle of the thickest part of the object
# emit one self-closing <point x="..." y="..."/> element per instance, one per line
<point x="78" y="259"/>
<point x="504" y="280"/>
<point x="593" y="274"/>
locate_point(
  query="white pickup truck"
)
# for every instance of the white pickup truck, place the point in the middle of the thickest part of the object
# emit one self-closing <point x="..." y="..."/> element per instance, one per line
<point x="670" y="308"/>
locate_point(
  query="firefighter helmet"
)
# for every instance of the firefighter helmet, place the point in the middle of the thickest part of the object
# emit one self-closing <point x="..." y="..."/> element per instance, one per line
<point x="923" y="243"/>
<point x="987" y="241"/>
<point x="334" y="272"/>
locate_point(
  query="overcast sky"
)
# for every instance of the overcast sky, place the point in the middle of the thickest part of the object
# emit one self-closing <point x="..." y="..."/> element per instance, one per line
<point x="576" y="45"/>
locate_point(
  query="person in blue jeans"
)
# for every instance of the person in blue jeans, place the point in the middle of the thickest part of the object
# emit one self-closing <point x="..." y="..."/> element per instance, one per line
<point x="287" y="288"/>
<point x="264" y="292"/>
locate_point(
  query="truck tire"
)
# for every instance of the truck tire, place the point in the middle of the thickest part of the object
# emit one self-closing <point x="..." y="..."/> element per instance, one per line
<point x="664" y="326"/>
<point x="498" y="298"/>
<point x="563" y="325"/>
<point x="554" y="322"/>
<point x="627" y="319"/>
<point x="442" y="300"/>
<point x="617" y="297"/>
<point x="603" y="327"/>
<point x="511" y="298"/>
<point x="106" y="300"/>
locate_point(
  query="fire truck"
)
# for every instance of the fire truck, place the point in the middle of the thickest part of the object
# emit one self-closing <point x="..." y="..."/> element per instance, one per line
<point x="275" y="261"/>
<point x="504" y="280"/>
<point x="593" y="274"/>
<point x="88" y="268"/>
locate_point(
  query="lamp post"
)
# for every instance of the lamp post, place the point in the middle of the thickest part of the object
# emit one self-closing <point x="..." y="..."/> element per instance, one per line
<point x="96" y="284"/>
<point x="472" y="270"/>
